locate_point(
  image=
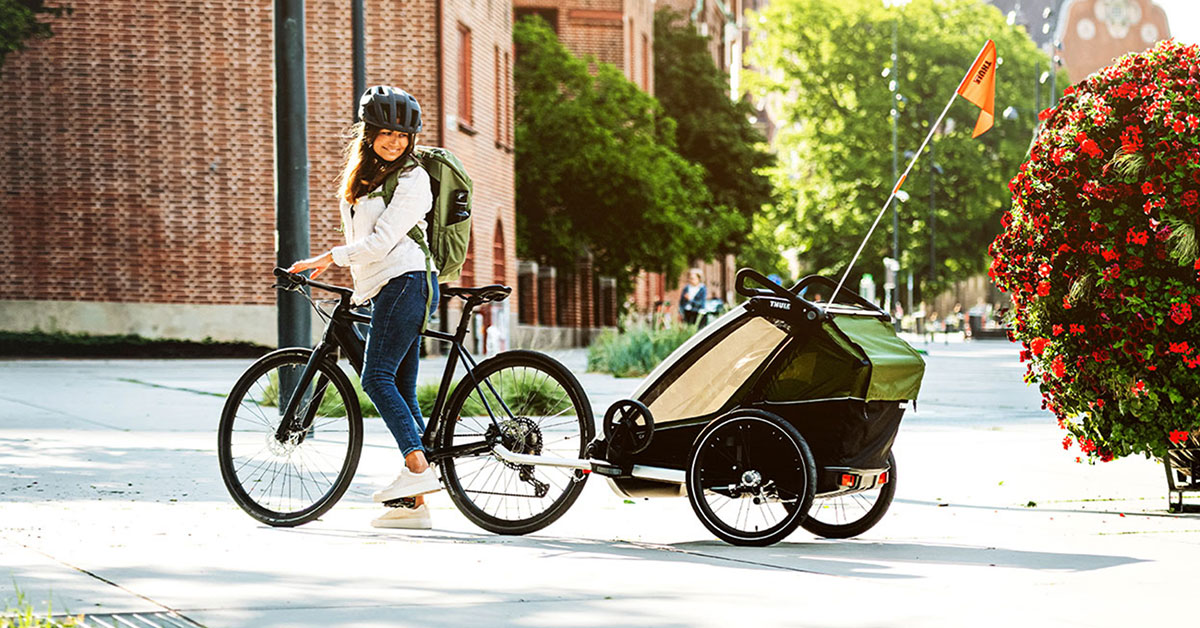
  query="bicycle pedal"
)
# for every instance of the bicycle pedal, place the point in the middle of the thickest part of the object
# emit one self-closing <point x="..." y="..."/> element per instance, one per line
<point x="403" y="502"/>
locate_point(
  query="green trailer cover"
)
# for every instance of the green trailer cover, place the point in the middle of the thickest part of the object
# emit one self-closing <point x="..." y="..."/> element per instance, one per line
<point x="896" y="368"/>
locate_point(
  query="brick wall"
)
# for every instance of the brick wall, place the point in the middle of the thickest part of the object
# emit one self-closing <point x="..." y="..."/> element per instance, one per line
<point x="136" y="145"/>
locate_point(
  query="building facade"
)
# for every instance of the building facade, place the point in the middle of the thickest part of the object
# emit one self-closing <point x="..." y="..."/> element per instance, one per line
<point x="1089" y="34"/>
<point x="136" y="154"/>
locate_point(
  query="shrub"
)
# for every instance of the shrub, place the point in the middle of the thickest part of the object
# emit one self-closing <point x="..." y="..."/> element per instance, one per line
<point x="636" y="351"/>
<point x="1099" y="253"/>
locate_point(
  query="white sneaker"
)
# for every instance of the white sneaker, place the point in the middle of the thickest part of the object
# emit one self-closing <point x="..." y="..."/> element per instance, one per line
<point x="409" y="484"/>
<point x="405" y="518"/>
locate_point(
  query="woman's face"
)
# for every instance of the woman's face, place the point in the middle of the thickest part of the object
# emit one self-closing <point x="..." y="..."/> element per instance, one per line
<point x="389" y="144"/>
<point x="694" y="279"/>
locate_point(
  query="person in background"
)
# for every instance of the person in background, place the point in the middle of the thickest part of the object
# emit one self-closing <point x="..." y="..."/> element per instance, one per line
<point x="691" y="299"/>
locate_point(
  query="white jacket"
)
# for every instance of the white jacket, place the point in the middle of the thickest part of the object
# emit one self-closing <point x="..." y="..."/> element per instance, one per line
<point x="377" y="247"/>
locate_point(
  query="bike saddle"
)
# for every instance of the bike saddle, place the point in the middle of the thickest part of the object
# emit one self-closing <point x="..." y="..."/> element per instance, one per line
<point x="485" y="294"/>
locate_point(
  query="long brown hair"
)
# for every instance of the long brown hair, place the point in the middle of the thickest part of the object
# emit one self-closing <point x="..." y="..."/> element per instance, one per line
<point x="364" y="170"/>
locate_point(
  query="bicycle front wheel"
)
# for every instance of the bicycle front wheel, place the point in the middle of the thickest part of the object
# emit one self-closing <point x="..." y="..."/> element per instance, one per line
<point x="540" y="409"/>
<point x="289" y="481"/>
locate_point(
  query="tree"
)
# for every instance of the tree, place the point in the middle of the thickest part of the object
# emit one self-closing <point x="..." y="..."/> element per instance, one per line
<point x="714" y="132"/>
<point x="826" y="57"/>
<point x="19" y="22"/>
<point x="596" y="168"/>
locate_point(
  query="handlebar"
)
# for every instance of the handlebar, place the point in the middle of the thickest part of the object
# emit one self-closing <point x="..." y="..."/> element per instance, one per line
<point x="811" y="310"/>
<point x="295" y="280"/>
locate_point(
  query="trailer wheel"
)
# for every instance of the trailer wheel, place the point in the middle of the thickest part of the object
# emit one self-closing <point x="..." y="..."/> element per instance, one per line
<point x="751" y="478"/>
<point x="845" y="516"/>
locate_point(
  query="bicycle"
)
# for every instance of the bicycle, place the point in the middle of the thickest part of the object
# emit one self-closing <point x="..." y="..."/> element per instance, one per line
<point x="288" y="458"/>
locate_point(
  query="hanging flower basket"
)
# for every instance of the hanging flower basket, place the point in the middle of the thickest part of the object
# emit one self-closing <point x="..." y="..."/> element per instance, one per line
<point x="1101" y="258"/>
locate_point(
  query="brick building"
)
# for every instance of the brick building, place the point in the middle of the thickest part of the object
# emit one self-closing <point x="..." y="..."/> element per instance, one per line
<point x="1092" y="33"/>
<point x="136" y="154"/>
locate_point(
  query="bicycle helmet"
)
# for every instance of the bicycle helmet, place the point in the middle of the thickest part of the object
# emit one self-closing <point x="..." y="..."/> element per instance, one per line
<point x="390" y="108"/>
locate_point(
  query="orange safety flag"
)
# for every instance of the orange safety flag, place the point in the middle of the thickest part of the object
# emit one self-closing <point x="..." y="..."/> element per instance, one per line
<point x="979" y="87"/>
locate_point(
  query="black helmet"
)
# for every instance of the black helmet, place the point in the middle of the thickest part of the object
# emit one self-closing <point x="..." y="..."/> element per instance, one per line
<point x="390" y="108"/>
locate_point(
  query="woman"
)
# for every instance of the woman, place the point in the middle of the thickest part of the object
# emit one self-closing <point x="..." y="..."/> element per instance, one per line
<point x="388" y="269"/>
<point x="692" y="297"/>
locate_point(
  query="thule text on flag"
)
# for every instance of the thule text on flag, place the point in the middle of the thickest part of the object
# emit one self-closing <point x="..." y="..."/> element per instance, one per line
<point x="979" y="87"/>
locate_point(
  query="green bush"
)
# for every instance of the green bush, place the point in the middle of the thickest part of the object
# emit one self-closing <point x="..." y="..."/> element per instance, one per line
<point x="537" y="397"/>
<point x="636" y="351"/>
<point x="329" y="404"/>
<point x="22" y="615"/>
<point x="40" y="344"/>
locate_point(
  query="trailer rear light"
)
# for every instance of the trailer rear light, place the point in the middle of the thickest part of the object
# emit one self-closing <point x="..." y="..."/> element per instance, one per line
<point x="883" y="478"/>
<point x="848" y="479"/>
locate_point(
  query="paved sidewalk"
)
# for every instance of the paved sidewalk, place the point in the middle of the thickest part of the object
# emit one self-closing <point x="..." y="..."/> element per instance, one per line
<point x="111" y="501"/>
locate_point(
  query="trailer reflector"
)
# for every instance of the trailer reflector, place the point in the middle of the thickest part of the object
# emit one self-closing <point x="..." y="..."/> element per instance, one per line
<point x="848" y="479"/>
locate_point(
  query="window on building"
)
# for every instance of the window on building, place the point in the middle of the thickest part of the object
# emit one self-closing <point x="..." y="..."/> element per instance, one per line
<point x="468" y="270"/>
<point x="498" y="108"/>
<point x="629" y="59"/>
<point x="549" y="15"/>
<point x="645" y="63"/>
<point x="499" y="270"/>
<point x="508" y="99"/>
<point x="465" y="113"/>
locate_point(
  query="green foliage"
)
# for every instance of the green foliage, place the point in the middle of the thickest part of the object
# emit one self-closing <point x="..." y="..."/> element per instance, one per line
<point x="40" y="344"/>
<point x="19" y="22"/>
<point x="824" y="60"/>
<point x="596" y="167"/>
<point x="522" y="393"/>
<point x="636" y="351"/>
<point x="22" y="615"/>
<point x="714" y="132"/>
<point x="331" y="404"/>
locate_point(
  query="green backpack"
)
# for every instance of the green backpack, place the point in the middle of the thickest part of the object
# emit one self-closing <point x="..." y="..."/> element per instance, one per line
<point x="449" y="220"/>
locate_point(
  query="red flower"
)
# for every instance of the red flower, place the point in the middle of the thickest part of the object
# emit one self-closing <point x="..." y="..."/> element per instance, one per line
<point x="1179" y="347"/>
<point x="1039" y="345"/>
<point x="1066" y="441"/>
<point x="1178" y="437"/>
<point x="1138" y="388"/>
<point x="1059" y="368"/>
<point x="1058" y="329"/>
<point x="1043" y="288"/>
<point x="1112" y="272"/>
<point x="1092" y="149"/>
<point x="1189" y="198"/>
<point x="1180" y="313"/>
<point x="1179" y="126"/>
<point x="1044" y="269"/>
<point x="1147" y="188"/>
<point x="1137" y="237"/>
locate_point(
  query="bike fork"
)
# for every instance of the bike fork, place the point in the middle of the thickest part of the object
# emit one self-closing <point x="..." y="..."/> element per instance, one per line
<point x="288" y="425"/>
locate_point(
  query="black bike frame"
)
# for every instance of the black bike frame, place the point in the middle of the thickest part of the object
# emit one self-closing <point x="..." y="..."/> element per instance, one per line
<point x="339" y="334"/>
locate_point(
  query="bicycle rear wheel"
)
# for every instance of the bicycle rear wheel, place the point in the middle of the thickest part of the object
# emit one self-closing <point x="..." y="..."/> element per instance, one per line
<point x="293" y="481"/>
<point x="541" y="410"/>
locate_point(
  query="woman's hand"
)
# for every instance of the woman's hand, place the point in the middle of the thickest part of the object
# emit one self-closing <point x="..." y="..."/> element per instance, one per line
<point x="319" y="264"/>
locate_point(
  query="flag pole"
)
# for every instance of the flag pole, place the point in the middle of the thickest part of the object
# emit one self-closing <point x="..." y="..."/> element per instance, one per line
<point x="900" y="181"/>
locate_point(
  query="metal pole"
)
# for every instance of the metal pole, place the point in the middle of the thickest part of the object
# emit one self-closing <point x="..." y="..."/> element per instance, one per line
<point x="932" y="212"/>
<point x="291" y="166"/>
<point x="895" y="162"/>
<point x="358" y="34"/>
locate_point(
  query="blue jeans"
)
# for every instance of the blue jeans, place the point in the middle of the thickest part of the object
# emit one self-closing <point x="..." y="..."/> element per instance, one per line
<point x="389" y="374"/>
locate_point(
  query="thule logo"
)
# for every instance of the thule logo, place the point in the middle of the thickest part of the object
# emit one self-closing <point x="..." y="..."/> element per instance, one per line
<point x="780" y="305"/>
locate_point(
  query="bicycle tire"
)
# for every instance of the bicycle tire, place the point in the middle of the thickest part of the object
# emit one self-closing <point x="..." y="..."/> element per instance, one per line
<point x="331" y="446"/>
<point x="835" y="518"/>
<point x="571" y="435"/>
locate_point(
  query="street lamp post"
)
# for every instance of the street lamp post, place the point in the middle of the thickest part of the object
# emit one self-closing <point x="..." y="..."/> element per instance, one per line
<point x="896" y="98"/>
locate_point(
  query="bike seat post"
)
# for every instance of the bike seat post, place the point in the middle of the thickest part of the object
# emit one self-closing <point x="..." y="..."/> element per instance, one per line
<point x="465" y="321"/>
